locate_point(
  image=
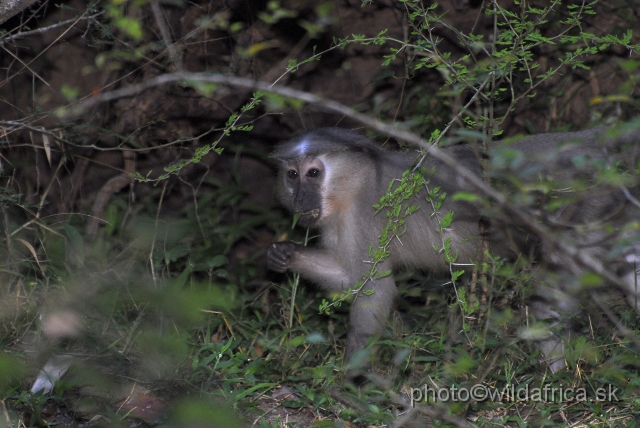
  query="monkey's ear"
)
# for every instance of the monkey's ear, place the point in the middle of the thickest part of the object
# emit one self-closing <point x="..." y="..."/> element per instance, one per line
<point x="277" y="156"/>
<point x="287" y="151"/>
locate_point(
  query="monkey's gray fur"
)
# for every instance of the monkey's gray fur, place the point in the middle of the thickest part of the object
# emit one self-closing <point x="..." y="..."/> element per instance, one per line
<point x="332" y="177"/>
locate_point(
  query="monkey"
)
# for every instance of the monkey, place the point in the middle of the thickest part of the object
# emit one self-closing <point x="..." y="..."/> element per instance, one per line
<point x="597" y="218"/>
<point x="332" y="178"/>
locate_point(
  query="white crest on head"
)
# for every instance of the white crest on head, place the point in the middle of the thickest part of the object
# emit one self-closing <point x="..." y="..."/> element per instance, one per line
<point x="302" y="147"/>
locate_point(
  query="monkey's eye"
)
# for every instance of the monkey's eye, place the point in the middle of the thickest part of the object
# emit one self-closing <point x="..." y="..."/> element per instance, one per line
<point x="313" y="172"/>
<point x="292" y="174"/>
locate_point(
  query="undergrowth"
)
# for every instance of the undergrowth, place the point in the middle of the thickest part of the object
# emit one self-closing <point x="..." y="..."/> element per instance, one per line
<point x="171" y="300"/>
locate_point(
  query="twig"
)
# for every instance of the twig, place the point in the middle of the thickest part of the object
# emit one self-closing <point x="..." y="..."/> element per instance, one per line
<point x="166" y="35"/>
<point x="45" y="29"/>
<point x="629" y="196"/>
<point x="581" y="258"/>
<point x="617" y="322"/>
<point x="112" y="186"/>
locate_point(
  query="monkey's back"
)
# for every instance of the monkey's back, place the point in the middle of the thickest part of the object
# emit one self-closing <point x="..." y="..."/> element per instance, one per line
<point x="415" y="248"/>
<point x="585" y="176"/>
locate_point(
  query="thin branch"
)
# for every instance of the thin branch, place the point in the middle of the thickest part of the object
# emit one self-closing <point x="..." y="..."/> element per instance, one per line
<point x="629" y="196"/>
<point x="45" y="29"/>
<point x="174" y="55"/>
<point x="13" y="7"/>
<point x="7" y="80"/>
<point x="581" y="258"/>
<point x="112" y="186"/>
<point x="617" y="322"/>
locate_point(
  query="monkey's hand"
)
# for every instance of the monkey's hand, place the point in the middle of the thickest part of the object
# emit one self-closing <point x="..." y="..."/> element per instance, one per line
<point x="279" y="255"/>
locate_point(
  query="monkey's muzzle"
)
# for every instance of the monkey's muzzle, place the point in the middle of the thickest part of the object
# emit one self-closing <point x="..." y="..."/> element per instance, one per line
<point x="315" y="213"/>
<point x="308" y="218"/>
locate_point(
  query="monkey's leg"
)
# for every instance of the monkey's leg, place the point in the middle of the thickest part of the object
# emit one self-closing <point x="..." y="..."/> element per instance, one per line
<point x="631" y="277"/>
<point x="370" y="313"/>
<point x="556" y="307"/>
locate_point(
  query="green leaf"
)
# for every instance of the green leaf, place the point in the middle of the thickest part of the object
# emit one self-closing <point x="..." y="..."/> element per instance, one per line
<point x="590" y="279"/>
<point x="130" y="26"/>
<point x="465" y="196"/>
<point x="447" y="220"/>
<point x="176" y="252"/>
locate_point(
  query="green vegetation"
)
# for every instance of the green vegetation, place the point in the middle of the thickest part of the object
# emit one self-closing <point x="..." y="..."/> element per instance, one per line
<point x="165" y="300"/>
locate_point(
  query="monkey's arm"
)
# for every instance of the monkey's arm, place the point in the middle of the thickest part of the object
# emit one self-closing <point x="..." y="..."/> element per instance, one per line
<point x="319" y="266"/>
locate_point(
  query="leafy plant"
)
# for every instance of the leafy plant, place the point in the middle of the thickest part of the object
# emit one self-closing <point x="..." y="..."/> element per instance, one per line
<point x="172" y="292"/>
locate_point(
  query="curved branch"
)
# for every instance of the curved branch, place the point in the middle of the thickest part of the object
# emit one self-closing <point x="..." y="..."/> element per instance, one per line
<point x="112" y="186"/>
<point x="580" y="258"/>
<point x="9" y="8"/>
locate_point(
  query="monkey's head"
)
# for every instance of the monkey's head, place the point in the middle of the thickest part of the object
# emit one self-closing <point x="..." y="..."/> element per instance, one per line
<point x="321" y="171"/>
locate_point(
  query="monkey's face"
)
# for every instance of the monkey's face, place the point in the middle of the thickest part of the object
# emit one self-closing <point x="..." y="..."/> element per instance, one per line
<point x="303" y="188"/>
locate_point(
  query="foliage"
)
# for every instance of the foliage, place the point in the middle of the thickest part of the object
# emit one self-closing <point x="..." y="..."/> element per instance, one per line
<point x="172" y="292"/>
